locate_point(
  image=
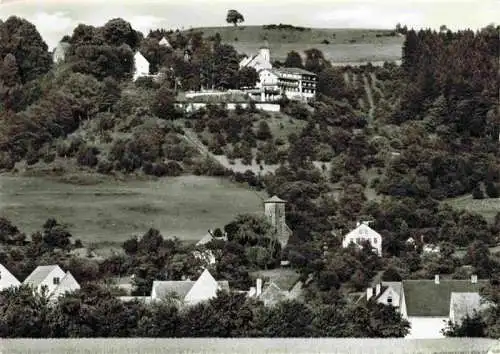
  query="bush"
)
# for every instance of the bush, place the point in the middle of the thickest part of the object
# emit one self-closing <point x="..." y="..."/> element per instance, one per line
<point x="492" y="190"/>
<point x="104" y="167"/>
<point x="477" y="193"/>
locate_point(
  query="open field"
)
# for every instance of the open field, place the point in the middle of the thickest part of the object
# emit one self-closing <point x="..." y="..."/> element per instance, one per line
<point x="111" y="211"/>
<point x="243" y="345"/>
<point x="486" y="207"/>
<point x="345" y="45"/>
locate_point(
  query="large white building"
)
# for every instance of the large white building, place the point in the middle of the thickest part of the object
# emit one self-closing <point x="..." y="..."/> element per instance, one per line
<point x="361" y="234"/>
<point x="294" y="83"/>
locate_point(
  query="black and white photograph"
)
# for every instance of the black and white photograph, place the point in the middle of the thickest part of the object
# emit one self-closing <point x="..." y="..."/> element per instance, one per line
<point x="249" y="176"/>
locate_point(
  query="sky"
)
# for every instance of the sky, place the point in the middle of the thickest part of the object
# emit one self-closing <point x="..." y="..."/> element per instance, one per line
<point x="56" y="18"/>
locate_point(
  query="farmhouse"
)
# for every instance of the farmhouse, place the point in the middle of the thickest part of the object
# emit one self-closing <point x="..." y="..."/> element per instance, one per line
<point x="141" y="66"/>
<point x="54" y="279"/>
<point x="188" y="292"/>
<point x="429" y="304"/>
<point x="7" y="280"/>
<point x="363" y="233"/>
<point x="294" y="83"/>
<point x="279" y="287"/>
<point x="259" y="61"/>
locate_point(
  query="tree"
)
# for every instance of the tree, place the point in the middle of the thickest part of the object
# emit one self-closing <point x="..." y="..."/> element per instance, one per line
<point x="471" y="326"/>
<point x="234" y="17"/>
<point x="247" y="77"/>
<point x="264" y="132"/>
<point x="293" y="60"/>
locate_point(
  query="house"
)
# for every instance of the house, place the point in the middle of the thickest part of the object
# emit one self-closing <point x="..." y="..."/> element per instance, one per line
<point x="7" y="280"/>
<point x="285" y="285"/>
<point x="363" y="233"/>
<point x="59" y="54"/>
<point x="429" y="304"/>
<point x="189" y="292"/>
<point x="259" y="61"/>
<point x="165" y="43"/>
<point x="141" y="66"/>
<point x="274" y="211"/>
<point x="294" y="83"/>
<point x="53" y="278"/>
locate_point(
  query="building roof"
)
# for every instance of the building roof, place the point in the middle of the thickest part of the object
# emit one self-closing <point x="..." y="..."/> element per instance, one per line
<point x="39" y="274"/>
<point x="272" y="294"/>
<point x="68" y="281"/>
<point x="356" y="232"/>
<point x="164" y="41"/>
<point x="183" y="287"/>
<point x="274" y="199"/>
<point x="206" y="239"/>
<point x="294" y="71"/>
<point x="425" y="298"/>
<point x="285" y="279"/>
<point x="10" y="276"/>
<point x="463" y="304"/>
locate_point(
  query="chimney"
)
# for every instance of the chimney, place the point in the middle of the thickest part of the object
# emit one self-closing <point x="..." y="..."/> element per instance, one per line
<point x="259" y="287"/>
<point x="377" y="289"/>
<point x="436" y="279"/>
<point x="473" y="279"/>
<point x="358" y="223"/>
<point x="369" y="293"/>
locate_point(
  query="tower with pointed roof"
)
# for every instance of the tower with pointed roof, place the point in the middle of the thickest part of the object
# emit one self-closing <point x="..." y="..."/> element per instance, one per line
<point x="274" y="210"/>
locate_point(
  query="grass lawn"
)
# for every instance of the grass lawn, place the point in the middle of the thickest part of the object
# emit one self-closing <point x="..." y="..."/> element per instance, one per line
<point x="111" y="211"/>
<point x="486" y="207"/>
<point x="344" y="45"/>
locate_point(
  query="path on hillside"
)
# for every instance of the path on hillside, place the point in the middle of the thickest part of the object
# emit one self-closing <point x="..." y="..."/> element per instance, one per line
<point x="374" y="84"/>
<point x="369" y="94"/>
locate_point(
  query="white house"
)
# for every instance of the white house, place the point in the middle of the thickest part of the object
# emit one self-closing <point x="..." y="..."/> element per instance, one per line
<point x="363" y="233"/>
<point x="53" y="278"/>
<point x="259" y="61"/>
<point x="294" y="83"/>
<point x="141" y="66"/>
<point x="7" y="280"/>
<point x="187" y="291"/>
<point x="429" y="304"/>
<point x="165" y="43"/>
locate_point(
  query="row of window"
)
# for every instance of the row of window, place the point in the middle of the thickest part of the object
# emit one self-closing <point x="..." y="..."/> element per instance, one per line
<point x="361" y="239"/>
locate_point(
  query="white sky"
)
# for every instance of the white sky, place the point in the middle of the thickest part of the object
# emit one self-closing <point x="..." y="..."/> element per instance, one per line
<point x="55" y="18"/>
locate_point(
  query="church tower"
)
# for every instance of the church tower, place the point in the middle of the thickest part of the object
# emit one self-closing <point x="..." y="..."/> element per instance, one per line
<point x="274" y="209"/>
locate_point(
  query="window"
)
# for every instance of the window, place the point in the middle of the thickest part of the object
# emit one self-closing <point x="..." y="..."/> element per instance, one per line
<point x="374" y="240"/>
<point x="389" y="300"/>
<point x="56" y="280"/>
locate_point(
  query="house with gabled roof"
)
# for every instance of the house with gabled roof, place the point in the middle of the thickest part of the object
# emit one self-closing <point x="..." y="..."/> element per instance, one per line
<point x="141" y="66"/>
<point x="259" y="61"/>
<point x="7" y="279"/>
<point x="189" y="292"/>
<point x="429" y="304"/>
<point x="165" y="43"/>
<point x="363" y="233"/>
<point x="54" y="279"/>
<point x="285" y="285"/>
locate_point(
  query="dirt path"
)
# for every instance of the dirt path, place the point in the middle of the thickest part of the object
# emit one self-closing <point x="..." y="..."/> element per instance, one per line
<point x="369" y="94"/>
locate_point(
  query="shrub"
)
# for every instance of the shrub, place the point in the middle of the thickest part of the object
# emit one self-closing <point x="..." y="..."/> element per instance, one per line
<point x="492" y="190"/>
<point x="104" y="167"/>
<point x="477" y="193"/>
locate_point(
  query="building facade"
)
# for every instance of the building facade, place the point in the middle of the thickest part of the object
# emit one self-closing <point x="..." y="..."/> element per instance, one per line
<point x="7" y="279"/>
<point x="294" y="83"/>
<point x="363" y="233"/>
<point x="141" y="66"/>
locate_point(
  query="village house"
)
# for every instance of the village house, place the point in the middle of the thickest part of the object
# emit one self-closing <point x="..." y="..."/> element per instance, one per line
<point x="279" y="287"/>
<point x="54" y="279"/>
<point x="188" y="292"/>
<point x="429" y="304"/>
<point x="294" y="83"/>
<point x="361" y="234"/>
<point x="7" y="279"/>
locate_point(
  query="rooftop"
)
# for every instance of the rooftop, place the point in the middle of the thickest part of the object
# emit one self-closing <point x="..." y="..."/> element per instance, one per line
<point x="275" y="199"/>
<point x="39" y="275"/>
<point x="425" y="298"/>
<point x="294" y="71"/>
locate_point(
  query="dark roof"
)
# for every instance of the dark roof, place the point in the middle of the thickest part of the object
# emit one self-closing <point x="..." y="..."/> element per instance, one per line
<point x="179" y="288"/>
<point x="425" y="298"/>
<point x="294" y="71"/>
<point x="274" y="199"/>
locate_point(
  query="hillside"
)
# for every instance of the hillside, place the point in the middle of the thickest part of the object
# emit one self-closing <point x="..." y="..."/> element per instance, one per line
<point x="338" y="45"/>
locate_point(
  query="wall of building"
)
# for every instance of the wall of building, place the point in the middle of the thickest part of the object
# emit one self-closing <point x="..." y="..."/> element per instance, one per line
<point x="426" y="327"/>
<point x="7" y="279"/>
<point x="194" y="106"/>
<point x="49" y="280"/>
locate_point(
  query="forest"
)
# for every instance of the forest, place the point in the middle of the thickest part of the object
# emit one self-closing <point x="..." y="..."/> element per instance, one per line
<point x="433" y="135"/>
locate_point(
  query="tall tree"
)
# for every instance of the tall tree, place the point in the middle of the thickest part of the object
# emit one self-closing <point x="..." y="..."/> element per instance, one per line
<point x="293" y="60"/>
<point x="234" y="17"/>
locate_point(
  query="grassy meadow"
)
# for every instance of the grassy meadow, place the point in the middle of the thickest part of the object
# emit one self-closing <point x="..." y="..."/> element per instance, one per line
<point x="487" y="207"/>
<point x="338" y="45"/>
<point x="106" y="210"/>
<point x="235" y="346"/>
